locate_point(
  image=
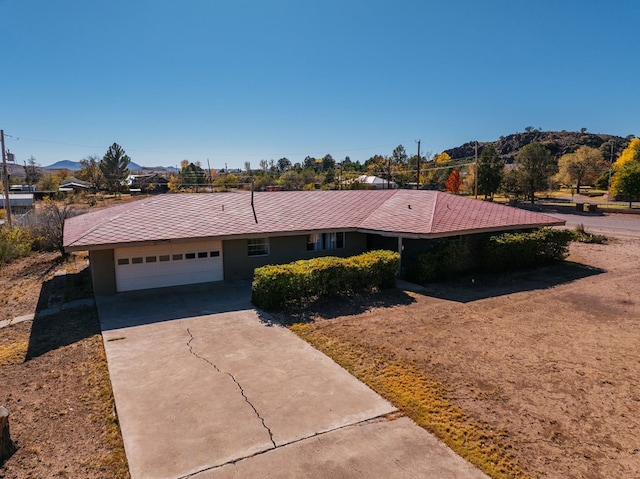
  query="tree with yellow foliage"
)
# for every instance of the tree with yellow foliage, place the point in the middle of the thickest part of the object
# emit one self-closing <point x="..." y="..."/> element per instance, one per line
<point x="629" y="155"/>
<point x="625" y="181"/>
<point x="581" y="167"/>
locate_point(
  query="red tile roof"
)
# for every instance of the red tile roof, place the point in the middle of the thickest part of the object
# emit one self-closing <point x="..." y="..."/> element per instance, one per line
<point x="407" y="213"/>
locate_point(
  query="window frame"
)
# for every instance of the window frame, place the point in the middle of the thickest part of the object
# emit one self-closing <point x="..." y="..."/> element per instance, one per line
<point x="328" y="241"/>
<point x="258" y="247"/>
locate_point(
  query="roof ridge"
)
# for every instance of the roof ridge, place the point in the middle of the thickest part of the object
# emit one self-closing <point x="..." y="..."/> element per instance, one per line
<point x="133" y="205"/>
<point x="433" y="211"/>
<point x="375" y="210"/>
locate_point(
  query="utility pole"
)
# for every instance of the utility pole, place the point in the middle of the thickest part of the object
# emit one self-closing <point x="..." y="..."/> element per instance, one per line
<point x="418" y="174"/>
<point x="210" y="179"/>
<point x="476" y="170"/>
<point x="5" y="182"/>
<point x="610" y="169"/>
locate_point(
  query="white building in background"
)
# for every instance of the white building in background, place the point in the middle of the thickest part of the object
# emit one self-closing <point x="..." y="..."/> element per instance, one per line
<point x="372" y="183"/>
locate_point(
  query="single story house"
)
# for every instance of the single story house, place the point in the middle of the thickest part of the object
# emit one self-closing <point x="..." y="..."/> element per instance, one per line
<point x="178" y="239"/>
<point x="74" y="184"/>
<point x="150" y="183"/>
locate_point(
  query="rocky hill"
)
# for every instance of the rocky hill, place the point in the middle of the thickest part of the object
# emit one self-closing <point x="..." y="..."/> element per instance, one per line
<point x="558" y="143"/>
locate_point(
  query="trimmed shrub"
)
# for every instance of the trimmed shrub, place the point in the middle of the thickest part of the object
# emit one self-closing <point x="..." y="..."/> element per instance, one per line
<point x="15" y="242"/>
<point x="443" y="259"/>
<point x="511" y="251"/>
<point x="276" y="285"/>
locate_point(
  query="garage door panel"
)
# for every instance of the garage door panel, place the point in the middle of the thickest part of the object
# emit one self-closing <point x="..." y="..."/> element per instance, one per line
<point x="168" y="265"/>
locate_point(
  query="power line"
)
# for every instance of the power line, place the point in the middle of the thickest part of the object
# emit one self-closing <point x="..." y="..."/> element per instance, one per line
<point x="263" y="155"/>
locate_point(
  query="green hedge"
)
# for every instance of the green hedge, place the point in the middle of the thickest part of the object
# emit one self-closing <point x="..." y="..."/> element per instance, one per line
<point x="444" y="259"/>
<point x="276" y="285"/>
<point x="512" y="251"/>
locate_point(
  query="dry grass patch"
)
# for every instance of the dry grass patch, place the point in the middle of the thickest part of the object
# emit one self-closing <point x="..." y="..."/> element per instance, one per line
<point x="422" y="399"/>
<point x="54" y="378"/>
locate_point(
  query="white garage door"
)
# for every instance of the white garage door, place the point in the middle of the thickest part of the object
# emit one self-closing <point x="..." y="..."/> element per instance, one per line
<point x="148" y="267"/>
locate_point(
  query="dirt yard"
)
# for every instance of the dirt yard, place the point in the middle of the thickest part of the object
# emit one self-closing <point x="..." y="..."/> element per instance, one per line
<point x="550" y="357"/>
<point x="53" y="375"/>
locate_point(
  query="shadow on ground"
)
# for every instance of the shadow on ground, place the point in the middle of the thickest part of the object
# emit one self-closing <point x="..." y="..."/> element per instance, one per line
<point x="137" y="308"/>
<point x="483" y="286"/>
<point x="336" y="307"/>
<point x="54" y="328"/>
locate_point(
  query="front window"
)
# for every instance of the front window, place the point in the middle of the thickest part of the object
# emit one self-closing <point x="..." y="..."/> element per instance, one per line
<point x="258" y="247"/>
<point x="325" y="241"/>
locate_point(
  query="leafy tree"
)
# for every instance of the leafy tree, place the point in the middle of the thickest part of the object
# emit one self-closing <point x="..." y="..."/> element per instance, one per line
<point x="52" y="181"/>
<point x="434" y="173"/>
<point x="490" y="172"/>
<point x="582" y="167"/>
<point x="309" y="163"/>
<point x="376" y="165"/>
<point x="453" y="181"/>
<point x="114" y="166"/>
<point x="328" y="163"/>
<point x="32" y="171"/>
<point x="192" y="175"/>
<point x="291" y="180"/>
<point x="627" y="182"/>
<point x="48" y="183"/>
<point x="90" y="171"/>
<point x="442" y="158"/>
<point x="631" y="154"/>
<point x="538" y="167"/>
<point x="284" y="164"/>
<point x="399" y="155"/>
<point x="612" y="144"/>
<point x="226" y="181"/>
<point x="514" y="184"/>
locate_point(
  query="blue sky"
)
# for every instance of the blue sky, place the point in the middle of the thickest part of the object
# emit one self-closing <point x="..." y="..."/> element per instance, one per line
<point x="239" y="80"/>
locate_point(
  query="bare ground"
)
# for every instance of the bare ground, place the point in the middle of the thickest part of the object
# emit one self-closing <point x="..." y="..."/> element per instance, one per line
<point x="551" y="357"/>
<point x="53" y="376"/>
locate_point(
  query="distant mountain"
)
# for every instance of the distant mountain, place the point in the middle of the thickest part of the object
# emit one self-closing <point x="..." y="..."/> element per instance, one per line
<point x="135" y="166"/>
<point x="64" y="164"/>
<point x="558" y="143"/>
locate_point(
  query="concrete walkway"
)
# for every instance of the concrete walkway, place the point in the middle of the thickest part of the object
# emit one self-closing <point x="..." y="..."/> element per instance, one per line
<point x="206" y="389"/>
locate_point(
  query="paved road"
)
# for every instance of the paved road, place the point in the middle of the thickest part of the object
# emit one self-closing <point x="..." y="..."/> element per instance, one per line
<point x="205" y="389"/>
<point x="613" y="224"/>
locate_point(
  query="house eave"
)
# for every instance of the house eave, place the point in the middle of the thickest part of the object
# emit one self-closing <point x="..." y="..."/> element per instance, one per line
<point x="96" y="247"/>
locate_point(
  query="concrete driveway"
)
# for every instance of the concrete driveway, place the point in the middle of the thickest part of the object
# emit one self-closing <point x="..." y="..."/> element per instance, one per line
<point x="206" y="389"/>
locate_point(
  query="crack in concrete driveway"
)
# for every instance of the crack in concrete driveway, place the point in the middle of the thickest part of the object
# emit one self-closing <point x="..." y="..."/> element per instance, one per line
<point x="236" y="383"/>
<point x="178" y="420"/>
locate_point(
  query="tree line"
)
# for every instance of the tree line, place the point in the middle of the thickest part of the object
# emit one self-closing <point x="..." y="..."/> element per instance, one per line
<point x="533" y="170"/>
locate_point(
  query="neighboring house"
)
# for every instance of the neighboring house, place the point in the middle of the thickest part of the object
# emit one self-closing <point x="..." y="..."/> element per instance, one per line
<point x="74" y="184"/>
<point x="372" y="183"/>
<point x="149" y="183"/>
<point x="170" y="240"/>
<point x="20" y="202"/>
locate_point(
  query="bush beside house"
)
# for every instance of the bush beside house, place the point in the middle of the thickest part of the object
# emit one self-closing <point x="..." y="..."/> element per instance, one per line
<point x="444" y="259"/>
<point x="276" y="285"/>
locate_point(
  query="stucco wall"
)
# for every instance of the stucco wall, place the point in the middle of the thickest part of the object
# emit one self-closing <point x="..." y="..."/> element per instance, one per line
<point x="283" y="249"/>
<point x="103" y="272"/>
